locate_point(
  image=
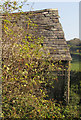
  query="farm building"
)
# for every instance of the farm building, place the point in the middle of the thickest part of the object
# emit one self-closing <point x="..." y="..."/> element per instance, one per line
<point x="50" y="28"/>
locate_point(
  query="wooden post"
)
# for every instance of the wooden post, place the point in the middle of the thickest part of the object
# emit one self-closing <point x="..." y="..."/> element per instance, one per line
<point x="0" y="65"/>
<point x="68" y="94"/>
<point x="67" y="82"/>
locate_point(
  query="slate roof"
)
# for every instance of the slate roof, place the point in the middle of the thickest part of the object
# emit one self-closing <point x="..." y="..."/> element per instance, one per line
<point x="50" y="27"/>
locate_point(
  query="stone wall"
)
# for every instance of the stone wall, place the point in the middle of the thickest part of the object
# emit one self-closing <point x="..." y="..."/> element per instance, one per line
<point x="47" y="25"/>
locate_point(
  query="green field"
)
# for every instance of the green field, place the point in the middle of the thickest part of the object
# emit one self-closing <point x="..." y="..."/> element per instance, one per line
<point x="76" y="62"/>
<point x="75" y="66"/>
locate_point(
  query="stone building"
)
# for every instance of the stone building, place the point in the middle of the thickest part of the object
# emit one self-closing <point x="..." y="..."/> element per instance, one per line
<point x="50" y="28"/>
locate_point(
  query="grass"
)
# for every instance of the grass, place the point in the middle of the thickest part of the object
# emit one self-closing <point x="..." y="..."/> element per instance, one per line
<point x="75" y="66"/>
<point x="76" y="62"/>
<point x="75" y="81"/>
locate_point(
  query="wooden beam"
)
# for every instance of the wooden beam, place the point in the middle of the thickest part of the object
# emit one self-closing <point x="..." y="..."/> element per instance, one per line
<point x="0" y="64"/>
<point x="68" y="94"/>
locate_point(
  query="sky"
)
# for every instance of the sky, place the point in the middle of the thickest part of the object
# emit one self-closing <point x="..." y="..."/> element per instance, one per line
<point x="68" y="12"/>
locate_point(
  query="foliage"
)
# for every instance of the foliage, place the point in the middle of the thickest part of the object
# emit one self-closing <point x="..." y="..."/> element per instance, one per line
<point x="75" y="46"/>
<point x="75" y="87"/>
<point x="75" y="95"/>
<point x="9" y="6"/>
<point x="24" y="69"/>
<point x="26" y="73"/>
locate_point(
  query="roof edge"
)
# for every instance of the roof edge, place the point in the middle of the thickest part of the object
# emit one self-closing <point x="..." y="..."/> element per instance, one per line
<point x="36" y="11"/>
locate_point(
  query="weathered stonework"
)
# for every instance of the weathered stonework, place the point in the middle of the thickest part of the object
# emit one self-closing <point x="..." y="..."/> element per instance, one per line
<point x="50" y="28"/>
